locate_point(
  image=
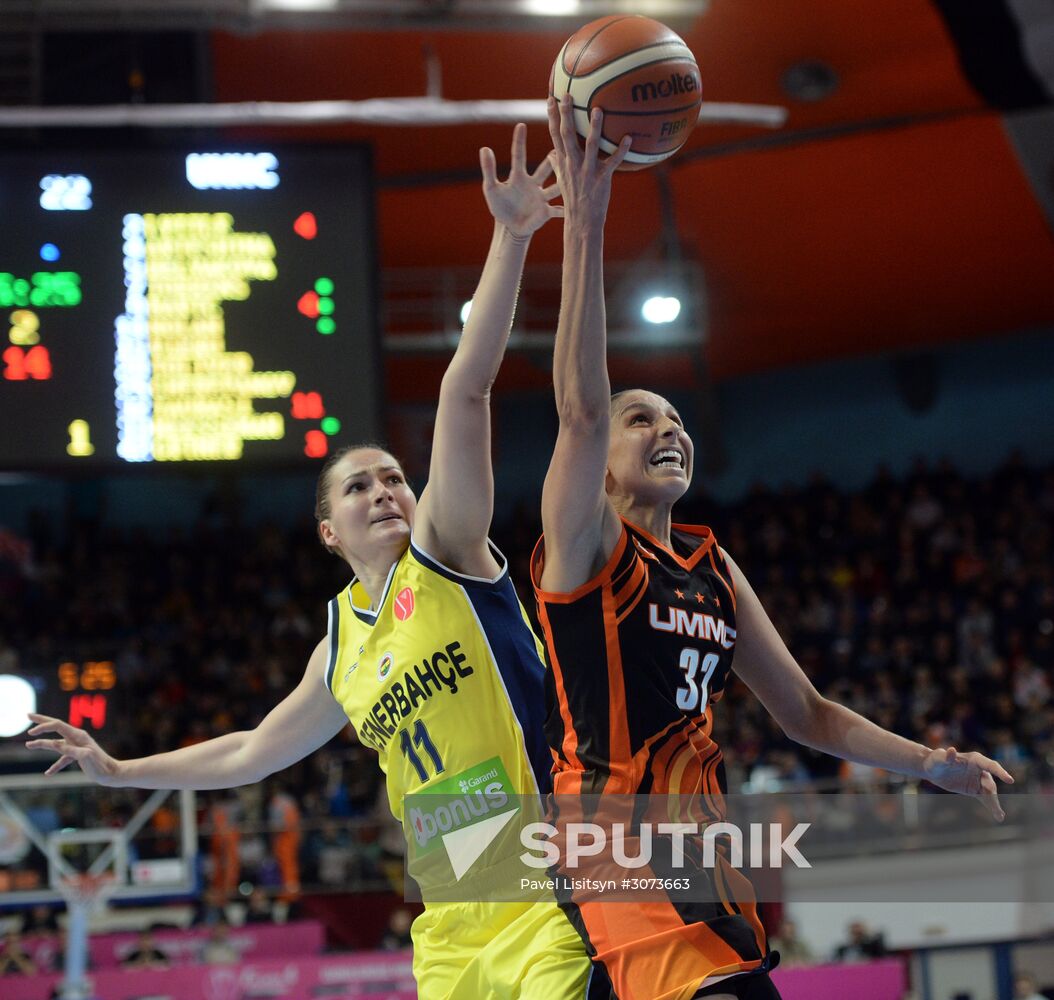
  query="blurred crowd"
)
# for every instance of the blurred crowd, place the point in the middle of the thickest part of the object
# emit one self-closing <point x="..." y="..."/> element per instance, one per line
<point x="925" y="603"/>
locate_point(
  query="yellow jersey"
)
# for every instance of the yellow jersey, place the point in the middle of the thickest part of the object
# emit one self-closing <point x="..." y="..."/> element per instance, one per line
<point x="445" y="680"/>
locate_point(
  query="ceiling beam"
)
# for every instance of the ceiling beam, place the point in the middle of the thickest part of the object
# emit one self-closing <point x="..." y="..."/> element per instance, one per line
<point x="333" y="15"/>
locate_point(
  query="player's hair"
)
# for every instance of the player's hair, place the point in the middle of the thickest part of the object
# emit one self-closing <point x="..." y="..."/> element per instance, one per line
<point x="322" y="506"/>
<point x="614" y="401"/>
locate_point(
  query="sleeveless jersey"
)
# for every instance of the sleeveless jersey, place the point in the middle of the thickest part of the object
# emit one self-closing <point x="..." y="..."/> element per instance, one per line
<point x="444" y="680"/>
<point x="639" y="656"/>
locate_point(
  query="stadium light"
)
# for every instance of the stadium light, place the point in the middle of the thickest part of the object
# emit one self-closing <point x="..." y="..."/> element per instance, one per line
<point x="466" y="308"/>
<point x="300" y="4"/>
<point x="661" y="309"/>
<point x="17" y="700"/>
<point x="552" y="7"/>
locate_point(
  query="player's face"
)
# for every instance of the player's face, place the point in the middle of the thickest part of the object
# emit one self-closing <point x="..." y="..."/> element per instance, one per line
<point x="650" y="453"/>
<point x="371" y="506"/>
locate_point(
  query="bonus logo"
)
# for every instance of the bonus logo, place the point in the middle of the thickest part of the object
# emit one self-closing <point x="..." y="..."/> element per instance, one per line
<point x="464" y="814"/>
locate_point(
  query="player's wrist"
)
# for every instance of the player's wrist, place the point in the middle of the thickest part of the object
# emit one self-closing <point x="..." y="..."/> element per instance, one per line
<point x="115" y="773"/>
<point x="583" y="234"/>
<point x="508" y="234"/>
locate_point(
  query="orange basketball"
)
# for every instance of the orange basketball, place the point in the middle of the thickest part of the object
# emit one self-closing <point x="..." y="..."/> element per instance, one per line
<point x="641" y="75"/>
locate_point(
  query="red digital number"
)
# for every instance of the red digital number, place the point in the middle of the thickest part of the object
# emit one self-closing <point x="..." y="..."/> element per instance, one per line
<point x="15" y="360"/>
<point x="315" y="444"/>
<point x="307" y="406"/>
<point x="88" y="708"/>
<point x="21" y="365"/>
<point x="38" y="363"/>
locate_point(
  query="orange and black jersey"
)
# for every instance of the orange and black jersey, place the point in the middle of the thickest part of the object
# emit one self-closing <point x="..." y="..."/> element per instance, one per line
<point x="638" y="656"/>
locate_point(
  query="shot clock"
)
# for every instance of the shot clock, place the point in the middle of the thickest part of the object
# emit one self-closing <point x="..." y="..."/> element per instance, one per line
<point x="89" y="688"/>
<point x="175" y="306"/>
<point x="84" y="693"/>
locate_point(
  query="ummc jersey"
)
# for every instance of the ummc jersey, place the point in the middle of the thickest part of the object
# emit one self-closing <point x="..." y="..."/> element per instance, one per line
<point x="444" y="680"/>
<point x="639" y="654"/>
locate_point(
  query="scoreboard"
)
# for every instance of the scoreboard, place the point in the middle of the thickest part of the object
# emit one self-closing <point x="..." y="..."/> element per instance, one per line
<point x="177" y="306"/>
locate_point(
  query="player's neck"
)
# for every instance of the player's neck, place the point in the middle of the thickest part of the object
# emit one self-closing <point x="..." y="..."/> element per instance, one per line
<point x="373" y="576"/>
<point x="655" y="519"/>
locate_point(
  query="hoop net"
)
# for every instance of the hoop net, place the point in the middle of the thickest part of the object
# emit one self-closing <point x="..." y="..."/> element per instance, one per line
<point x="86" y="891"/>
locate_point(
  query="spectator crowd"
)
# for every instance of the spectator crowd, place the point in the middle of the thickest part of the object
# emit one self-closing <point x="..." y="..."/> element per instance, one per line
<point x="925" y="603"/>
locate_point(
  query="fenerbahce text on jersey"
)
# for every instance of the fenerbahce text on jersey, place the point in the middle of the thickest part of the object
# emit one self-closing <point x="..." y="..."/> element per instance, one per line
<point x="444" y="680"/>
<point x="638" y="655"/>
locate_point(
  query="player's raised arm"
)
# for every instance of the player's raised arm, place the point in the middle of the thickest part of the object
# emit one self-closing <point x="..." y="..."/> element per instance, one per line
<point x="766" y="666"/>
<point x="302" y="722"/>
<point x="580" y="525"/>
<point x="455" y="510"/>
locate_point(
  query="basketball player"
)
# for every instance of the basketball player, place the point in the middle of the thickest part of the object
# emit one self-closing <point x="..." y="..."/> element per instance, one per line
<point x="632" y="712"/>
<point x="429" y="653"/>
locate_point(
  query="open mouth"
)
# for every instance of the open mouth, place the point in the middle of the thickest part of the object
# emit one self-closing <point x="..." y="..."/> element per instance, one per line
<point x="668" y="458"/>
<point x="386" y="517"/>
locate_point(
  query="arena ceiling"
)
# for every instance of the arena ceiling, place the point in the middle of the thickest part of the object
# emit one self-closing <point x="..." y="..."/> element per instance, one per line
<point x="907" y="202"/>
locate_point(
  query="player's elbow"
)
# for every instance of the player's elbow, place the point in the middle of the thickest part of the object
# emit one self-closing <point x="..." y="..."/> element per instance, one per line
<point x="462" y="385"/>
<point x="804" y="719"/>
<point x="251" y="762"/>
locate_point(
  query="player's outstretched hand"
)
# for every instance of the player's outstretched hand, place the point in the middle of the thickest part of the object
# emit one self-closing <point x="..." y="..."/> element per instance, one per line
<point x="968" y="774"/>
<point x="521" y="204"/>
<point x="73" y="745"/>
<point x="584" y="179"/>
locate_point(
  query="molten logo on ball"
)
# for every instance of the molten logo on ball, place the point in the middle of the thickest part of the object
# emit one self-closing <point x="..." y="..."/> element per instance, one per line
<point x="641" y="75"/>
<point x="676" y="84"/>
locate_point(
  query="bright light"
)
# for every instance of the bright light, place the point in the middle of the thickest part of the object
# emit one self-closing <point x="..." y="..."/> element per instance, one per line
<point x="552" y="6"/>
<point x="661" y="309"/>
<point x="300" y="4"/>
<point x="465" y="310"/>
<point x="17" y="700"/>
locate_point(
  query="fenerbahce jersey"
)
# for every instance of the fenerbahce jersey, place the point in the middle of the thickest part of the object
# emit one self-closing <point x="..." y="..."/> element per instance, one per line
<point x="445" y="680"/>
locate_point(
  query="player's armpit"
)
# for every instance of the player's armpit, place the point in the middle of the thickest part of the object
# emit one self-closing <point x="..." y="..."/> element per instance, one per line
<point x="581" y="527"/>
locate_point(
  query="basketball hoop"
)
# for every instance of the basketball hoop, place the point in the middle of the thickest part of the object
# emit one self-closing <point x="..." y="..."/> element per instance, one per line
<point x="86" y="892"/>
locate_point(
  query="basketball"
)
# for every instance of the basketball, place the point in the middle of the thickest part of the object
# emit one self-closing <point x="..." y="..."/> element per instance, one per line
<point x="641" y="75"/>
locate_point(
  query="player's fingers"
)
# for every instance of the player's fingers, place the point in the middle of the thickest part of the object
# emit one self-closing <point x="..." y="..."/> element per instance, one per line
<point x="615" y="159"/>
<point x="542" y="171"/>
<point x="553" y="112"/>
<point x="519" y="149"/>
<point x="58" y="746"/>
<point x="60" y="765"/>
<point x="567" y="129"/>
<point x="551" y="192"/>
<point x="596" y="127"/>
<point x="44" y="723"/>
<point x="64" y="729"/>
<point x="950" y="755"/>
<point x="488" y="166"/>
<point x="994" y="768"/>
<point x="556" y="211"/>
<point x="990" y="797"/>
